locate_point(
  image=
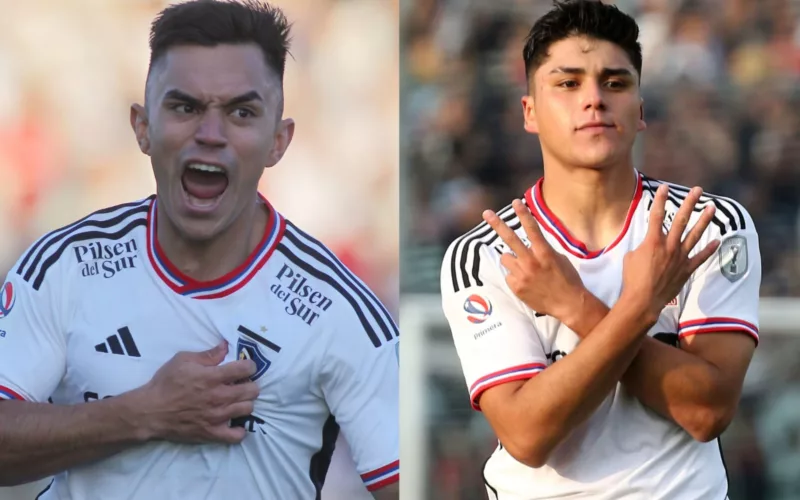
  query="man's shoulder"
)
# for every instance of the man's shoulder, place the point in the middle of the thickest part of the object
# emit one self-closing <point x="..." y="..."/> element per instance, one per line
<point x="313" y="273"/>
<point x="50" y="251"/>
<point x="730" y="216"/>
<point x="463" y="257"/>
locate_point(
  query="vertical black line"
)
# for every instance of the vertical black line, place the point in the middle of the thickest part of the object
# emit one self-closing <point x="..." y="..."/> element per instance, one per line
<point x="116" y="347"/>
<point x="127" y="340"/>
<point x="321" y="461"/>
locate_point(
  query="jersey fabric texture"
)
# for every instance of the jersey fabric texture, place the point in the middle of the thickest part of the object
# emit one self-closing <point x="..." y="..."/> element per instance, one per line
<point x="624" y="450"/>
<point x="94" y="309"/>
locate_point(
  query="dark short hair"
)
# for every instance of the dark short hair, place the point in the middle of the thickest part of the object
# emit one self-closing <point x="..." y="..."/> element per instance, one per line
<point x="590" y="18"/>
<point x="212" y="22"/>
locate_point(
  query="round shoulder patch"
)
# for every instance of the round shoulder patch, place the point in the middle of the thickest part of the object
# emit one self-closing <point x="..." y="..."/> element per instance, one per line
<point x="7" y="299"/>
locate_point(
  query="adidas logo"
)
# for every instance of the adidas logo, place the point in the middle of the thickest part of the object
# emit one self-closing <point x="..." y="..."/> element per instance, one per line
<point x="113" y="344"/>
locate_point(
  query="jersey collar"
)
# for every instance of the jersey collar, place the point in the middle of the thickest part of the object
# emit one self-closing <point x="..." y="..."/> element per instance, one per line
<point x="554" y="226"/>
<point x="225" y="285"/>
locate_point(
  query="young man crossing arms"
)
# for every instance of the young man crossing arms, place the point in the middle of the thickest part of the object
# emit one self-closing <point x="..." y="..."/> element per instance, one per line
<point x="606" y="323"/>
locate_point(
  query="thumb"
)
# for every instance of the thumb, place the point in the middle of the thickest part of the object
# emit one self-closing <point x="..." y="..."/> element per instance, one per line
<point x="213" y="356"/>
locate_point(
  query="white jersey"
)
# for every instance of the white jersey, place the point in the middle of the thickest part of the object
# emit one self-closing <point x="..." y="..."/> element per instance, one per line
<point x="94" y="309"/>
<point x="624" y="450"/>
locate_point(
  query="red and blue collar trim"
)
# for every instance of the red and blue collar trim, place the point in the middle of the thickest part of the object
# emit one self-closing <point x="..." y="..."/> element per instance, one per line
<point x="225" y="285"/>
<point x="554" y="226"/>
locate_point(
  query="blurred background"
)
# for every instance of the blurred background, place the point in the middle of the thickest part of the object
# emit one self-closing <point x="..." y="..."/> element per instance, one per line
<point x="70" y="69"/>
<point x="721" y="84"/>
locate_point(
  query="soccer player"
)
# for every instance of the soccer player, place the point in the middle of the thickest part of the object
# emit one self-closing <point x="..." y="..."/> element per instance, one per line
<point x="605" y="324"/>
<point x="197" y="344"/>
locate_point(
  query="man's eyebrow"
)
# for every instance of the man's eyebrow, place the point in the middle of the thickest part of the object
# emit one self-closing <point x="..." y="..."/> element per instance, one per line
<point x="179" y="95"/>
<point x="605" y="73"/>
<point x="246" y="97"/>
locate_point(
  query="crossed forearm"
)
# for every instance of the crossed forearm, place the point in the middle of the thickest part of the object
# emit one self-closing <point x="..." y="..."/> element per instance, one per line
<point x="675" y="384"/>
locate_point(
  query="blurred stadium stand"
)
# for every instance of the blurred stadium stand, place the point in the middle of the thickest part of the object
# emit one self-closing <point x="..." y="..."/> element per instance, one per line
<point x="69" y="70"/>
<point x="721" y="83"/>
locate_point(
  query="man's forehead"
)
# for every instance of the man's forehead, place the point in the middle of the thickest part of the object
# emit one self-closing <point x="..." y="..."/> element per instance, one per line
<point x="222" y="71"/>
<point x="587" y="53"/>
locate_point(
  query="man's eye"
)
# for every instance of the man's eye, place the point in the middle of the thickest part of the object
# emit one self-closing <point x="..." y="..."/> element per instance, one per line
<point x="243" y="113"/>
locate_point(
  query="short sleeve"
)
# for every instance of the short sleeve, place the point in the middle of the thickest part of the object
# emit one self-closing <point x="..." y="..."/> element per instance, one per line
<point x="361" y="384"/>
<point x="723" y="295"/>
<point x="493" y="331"/>
<point x="32" y="346"/>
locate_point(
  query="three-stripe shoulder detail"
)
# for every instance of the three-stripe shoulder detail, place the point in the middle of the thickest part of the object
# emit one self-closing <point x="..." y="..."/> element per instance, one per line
<point x="729" y="215"/>
<point x="319" y="262"/>
<point x="463" y="258"/>
<point x="110" y="223"/>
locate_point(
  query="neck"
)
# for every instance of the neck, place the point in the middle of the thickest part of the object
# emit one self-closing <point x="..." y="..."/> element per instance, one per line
<point x="214" y="258"/>
<point x="592" y="204"/>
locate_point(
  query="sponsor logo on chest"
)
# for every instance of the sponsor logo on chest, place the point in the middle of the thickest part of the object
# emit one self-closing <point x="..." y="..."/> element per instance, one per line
<point x="97" y="259"/>
<point x="301" y="299"/>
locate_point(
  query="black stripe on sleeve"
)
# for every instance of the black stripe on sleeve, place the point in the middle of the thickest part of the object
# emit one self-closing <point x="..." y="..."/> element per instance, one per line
<point x="316" y="273"/>
<point x="89" y="235"/>
<point x="54" y="236"/>
<point x="345" y="275"/>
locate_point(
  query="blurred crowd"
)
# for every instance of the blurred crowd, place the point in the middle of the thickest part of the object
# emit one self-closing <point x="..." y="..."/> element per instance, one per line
<point x="721" y="84"/>
<point x="70" y="69"/>
<point x="722" y="104"/>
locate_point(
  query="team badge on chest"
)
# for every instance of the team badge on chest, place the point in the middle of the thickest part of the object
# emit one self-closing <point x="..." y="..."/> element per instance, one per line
<point x="249" y="346"/>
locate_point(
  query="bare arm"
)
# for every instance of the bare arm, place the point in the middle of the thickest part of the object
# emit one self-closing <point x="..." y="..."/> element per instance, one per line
<point x="190" y="399"/>
<point x="388" y="492"/>
<point x="38" y="439"/>
<point x="532" y="417"/>
<point x="698" y="387"/>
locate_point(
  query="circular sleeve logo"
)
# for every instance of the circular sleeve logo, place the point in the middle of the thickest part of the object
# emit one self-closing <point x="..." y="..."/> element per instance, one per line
<point x="7" y="299"/>
<point x="478" y="309"/>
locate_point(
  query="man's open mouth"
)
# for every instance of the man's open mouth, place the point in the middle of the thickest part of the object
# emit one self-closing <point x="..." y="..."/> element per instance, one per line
<point x="204" y="183"/>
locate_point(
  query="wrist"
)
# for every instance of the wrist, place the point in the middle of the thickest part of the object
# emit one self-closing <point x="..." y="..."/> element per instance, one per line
<point x="132" y="410"/>
<point x="584" y="313"/>
<point x="638" y="305"/>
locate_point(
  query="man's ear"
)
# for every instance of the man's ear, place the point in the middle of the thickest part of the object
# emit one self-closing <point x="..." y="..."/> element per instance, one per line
<point x="139" y="124"/>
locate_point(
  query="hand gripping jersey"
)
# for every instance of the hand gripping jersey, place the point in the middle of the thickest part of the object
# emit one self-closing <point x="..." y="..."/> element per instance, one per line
<point x="94" y="309"/>
<point x="624" y="450"/>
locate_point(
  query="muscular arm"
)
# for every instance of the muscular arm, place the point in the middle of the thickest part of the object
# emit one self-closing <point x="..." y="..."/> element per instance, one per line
<point x="698" y="386"/>
<point x="39" y="439"/>
<point x="388" y="492"/>
<point x="532" y="417"/>
<point x="189" y="399"/>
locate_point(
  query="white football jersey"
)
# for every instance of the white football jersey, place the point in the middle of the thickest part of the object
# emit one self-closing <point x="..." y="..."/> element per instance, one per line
<point x="94" y="309"/>
<point x="624" y="450"/>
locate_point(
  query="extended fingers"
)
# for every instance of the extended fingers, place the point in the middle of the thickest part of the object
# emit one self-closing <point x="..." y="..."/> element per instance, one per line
<point x="683" y="216"/>
<point x="702" y="256"/>
<point x="699" y="228"/>
<point x="530" y="225"/>
<point x="658" y="212"/>
<point x="506" y="234"/>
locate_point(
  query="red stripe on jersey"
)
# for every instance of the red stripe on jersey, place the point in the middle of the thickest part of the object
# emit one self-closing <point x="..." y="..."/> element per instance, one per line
<point x="522" y="376"/>
<point x="156" y="255"/>
<point x="377" y="472"/>
<point x="14" y="394"/>
<point x="714" y="320"/>
<point x="510" y="371"/>
<point x="546" y="218"/>
<point x="385" y="482"/>
<point x="255" y="270"/>
<point x="720" y="329"/>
